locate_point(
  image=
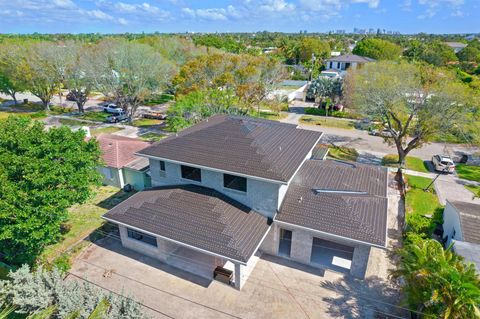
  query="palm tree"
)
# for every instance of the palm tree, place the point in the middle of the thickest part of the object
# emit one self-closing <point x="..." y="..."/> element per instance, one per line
<point x="437" y="282"/>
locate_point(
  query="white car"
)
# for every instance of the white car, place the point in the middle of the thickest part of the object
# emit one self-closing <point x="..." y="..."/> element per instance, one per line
<point x="113" y="109"/>
<point x="443" y="163"/>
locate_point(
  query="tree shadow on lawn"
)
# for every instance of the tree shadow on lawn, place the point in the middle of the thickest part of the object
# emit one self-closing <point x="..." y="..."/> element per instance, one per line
<point x="115" y="199"/>
<point x="358" y="299"/>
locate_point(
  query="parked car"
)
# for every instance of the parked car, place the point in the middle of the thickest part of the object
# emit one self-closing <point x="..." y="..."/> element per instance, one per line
<point x="113" y="108"/>
<point x="154" y="115"/>
<point x="121" y="117"/>
<point x="443" y="163"/>
<point x="382" y="133"/>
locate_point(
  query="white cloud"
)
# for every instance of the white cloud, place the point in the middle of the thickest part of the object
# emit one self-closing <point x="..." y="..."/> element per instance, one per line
<point x="99" y="15"/>
<point x="122" y="21"/>
<point x="432" y="7"/>
<point x="207" y="14"/>
<point x="64" y="4"/>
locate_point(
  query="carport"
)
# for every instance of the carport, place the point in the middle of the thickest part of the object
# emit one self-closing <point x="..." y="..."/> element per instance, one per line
<point x="332" y="255"/>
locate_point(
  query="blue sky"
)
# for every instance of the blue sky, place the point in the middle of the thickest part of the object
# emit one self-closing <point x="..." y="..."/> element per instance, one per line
<point x="106" y="16"/>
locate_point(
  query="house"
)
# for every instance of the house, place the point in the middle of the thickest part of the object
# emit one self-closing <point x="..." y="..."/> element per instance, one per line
<point x="461" y="226"/>
<point x="456" y="46"/>
<point x="231" y="188"/>
<point x="121" y="165"/>
<point x="344" y="62"/>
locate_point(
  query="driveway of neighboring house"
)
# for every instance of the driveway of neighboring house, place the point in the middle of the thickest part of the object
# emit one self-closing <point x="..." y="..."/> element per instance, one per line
<point x="276" y="288"/>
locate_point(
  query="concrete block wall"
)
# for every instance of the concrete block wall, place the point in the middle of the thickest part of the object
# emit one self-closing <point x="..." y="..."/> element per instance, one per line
<point x="360" y="261"/>
<point x="137" y="245"/>
<point x="301" y="248"/>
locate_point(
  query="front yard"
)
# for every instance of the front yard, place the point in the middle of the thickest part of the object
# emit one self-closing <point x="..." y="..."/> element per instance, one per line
<point x="412" y="163"/>
<point x="328" y="122"/>
<point x="341" y="153"/>
<point x="471" y="173"/>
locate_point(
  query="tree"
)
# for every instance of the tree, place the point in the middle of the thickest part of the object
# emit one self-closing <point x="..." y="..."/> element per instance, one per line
<point x="378" y="49"/>
<point x="325" y="87"/>
<point x="43" y="73"/>
<point x="42" y="173"/>
<point x="129" y="72"/>
<point x="80" y="74"/>
<point x="11" y="73"/>
<point x="437" y="282"/>
<point x="309" y="46"/>
<point x="44" y="293"/>
<point x="436" y="53"/>
<point x="414" y="103"/>
<point x="469" y="54"/>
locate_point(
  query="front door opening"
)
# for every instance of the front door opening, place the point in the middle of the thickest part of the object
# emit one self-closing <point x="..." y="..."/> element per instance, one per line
<point x="285" y="243"/>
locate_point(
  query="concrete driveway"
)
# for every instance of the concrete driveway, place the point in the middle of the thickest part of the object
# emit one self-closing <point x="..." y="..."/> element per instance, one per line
<point x="276" y="288"/>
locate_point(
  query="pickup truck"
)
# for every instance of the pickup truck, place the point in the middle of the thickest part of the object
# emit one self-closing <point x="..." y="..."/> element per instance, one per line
<point x="113" y="109"/>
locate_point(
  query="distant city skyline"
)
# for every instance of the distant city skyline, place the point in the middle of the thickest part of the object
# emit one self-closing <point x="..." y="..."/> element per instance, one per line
<point x="105" y="16"/>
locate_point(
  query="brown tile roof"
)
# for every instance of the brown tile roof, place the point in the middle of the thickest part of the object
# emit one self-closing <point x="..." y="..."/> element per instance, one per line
<point x="343" y="199"/>
<point x="249" y="146"/>
<point x="469" y="214"/>
<point x="196" y="216"/>
<point x="119" y="151"/>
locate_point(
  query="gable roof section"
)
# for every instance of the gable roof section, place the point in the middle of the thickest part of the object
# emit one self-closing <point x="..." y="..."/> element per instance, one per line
<point x="351" y="58"/>
<point x="243" y="145"/>
<point x="195" y="216"/>
<point x="342" y="199"/>
<point x="119" y="151"/>
<point x="469" y="214"/>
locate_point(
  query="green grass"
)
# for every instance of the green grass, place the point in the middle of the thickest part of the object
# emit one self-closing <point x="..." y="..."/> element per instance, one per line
<point x="471" y="173"/>
<point x="95" y="116"/>
<point x="105" y="130"/>
<point x="71" y="122"/>
<point x="413" y="163"/>
<point x="274" y="116"/>
<point x="85" y="218"/>
<point x="423" y="209"/>
<point x="152" y="137"/>
<point x="159" y="99"/>
<point x="146" y="122"/>
<point x="328" y="122"/>
<point x="342" y="153"/>
<point x="474" y="189"/>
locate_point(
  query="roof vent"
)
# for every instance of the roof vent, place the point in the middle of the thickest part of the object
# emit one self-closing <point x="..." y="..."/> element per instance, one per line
<point x="338" y="191"/>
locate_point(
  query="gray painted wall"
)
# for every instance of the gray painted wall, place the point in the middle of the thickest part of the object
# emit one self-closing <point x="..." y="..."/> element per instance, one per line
<point x="264" y="197"/>
<point x="451" y="222"/>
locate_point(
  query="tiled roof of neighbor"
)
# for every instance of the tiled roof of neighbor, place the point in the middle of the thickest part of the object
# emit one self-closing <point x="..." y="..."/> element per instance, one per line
<point x="351" y="58"/>
<point x="343" y="199"/>
<point x="196" y="216"/>
<point x="469" y="214"/>
<point x="456" y="44"/>
<point x="119" y="151"/>
<point x="244" y="145"/>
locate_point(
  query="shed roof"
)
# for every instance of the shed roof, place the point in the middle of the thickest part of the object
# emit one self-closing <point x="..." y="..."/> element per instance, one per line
<point x="469" y="214"/>
<point x="195" y="216"/>
<point x="119" y="151"/>
<point x="243" y="145"/>
<point x="342" y="199"/>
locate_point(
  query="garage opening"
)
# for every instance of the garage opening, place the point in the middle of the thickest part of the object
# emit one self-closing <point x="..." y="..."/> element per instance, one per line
<point x="332" y="255"/>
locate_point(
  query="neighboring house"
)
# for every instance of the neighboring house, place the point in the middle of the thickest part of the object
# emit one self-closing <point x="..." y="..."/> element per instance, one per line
<point x="122" y="166"/>
<point x="344" y="62"/>
<point x="456" y="46"/>
<point x="461" y="226"/>
<point x="230" y="188"/>
<point x="290" y="90"/>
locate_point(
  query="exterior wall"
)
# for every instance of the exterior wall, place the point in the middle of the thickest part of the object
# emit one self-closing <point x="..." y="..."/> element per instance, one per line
<point x="116" y="176"/>
<point x="301" y="247"/>
<point x="139" y="180"/>
<point x="451" y="223"/>
<point x="260" y="196"/>
<point x="138" y="246"/>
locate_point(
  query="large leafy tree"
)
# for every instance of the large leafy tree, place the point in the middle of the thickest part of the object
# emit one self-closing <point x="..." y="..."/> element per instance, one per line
<point x="12" y="80"/>
<point x="414" y="103"/>
<point x="437" y="282"/>
<point x="325" y="87"/>
<point x="42" y="173"/>
<point x="435" y="52"/>
<point x="129" y="72"/>
<point x="378" y="49"/>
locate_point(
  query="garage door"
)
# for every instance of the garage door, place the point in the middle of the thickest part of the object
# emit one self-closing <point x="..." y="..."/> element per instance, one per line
<point x="331" y="255"/>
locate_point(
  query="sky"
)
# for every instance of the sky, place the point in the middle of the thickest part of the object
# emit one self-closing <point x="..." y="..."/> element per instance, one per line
<point x="106" y="16"/>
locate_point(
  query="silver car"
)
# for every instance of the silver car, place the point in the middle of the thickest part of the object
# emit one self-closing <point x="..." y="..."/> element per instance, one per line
<point x="443" y="163"/>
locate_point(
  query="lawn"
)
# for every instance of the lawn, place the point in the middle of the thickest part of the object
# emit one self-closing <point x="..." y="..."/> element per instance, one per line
<point x="472" y="173"/>
<point x="423" y="209"/>
<point x="84" y="219"/>
<point x="274" y="116"/>
<point x="342" y="153"/>
<point x="95" y="116"/>
<point x="152" y="137"/>
<point x="328" y="122"/>
<point x="474" y="189"/>
<point x="159" y="99"/>
<point x="71" y="122"/>
<point x="104" y="130"/>
<point x="413" y="163"/>
<point x="146" y="122"/>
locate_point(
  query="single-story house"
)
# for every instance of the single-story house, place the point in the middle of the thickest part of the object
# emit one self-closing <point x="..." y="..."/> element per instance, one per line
<point x="121" y="165"/>
<point x="344" y="62"/>
<point x="461" y="226"/>
<point x="231" y="188"/>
